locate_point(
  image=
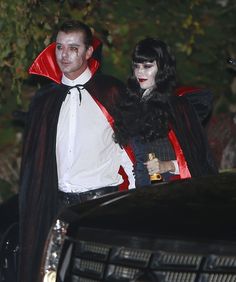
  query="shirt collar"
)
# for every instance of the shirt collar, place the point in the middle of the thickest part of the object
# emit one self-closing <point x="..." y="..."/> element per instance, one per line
<point x="82" y="79"/>
<point x="147" y="94"/>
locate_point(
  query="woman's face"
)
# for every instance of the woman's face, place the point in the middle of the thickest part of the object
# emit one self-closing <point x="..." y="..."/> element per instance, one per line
<point x="145" y="74"/>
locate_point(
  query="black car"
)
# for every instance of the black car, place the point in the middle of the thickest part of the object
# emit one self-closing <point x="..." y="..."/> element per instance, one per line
<point x="182" y="231"/>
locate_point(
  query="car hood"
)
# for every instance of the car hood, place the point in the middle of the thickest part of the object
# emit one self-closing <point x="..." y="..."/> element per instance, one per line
<point x="194" y="208"/>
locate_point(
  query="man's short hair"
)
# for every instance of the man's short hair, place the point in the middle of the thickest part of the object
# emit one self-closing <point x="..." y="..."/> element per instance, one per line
<point x="74" y="25"/>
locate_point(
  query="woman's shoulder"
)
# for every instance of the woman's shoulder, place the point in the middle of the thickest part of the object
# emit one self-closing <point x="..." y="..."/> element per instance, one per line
<point x="199" y="99"/>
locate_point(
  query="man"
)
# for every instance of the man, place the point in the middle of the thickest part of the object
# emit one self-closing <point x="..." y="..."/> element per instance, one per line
<point x="69" y="155"/>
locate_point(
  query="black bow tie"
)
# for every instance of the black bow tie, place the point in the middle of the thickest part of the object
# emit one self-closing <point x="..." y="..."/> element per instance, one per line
<point x="79" y="88"/>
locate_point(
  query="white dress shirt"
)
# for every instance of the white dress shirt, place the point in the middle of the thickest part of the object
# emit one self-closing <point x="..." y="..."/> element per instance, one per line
<point x="87" y="157"/>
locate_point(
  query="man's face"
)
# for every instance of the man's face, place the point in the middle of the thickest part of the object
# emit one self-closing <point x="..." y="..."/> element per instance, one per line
<point x="145" y="74"/>
<point x="71" y="53"/>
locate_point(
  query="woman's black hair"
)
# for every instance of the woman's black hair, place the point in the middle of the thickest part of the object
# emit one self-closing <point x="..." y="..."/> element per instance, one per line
<point x="147" y="119"/>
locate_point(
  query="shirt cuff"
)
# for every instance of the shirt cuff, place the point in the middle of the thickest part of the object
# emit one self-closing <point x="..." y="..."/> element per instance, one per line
<point x="176" y="167"/>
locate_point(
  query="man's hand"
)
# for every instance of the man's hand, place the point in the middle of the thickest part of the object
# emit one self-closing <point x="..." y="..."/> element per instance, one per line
<point x="157" y="166"/>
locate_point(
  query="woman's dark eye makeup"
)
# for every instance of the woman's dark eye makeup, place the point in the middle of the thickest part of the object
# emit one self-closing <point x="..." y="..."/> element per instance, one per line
<point x="144" y="65"/>
<point x="147" y="66"/>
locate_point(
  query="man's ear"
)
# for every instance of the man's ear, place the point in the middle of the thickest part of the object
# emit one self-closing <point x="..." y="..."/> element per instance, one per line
<point x="89" y="52"/>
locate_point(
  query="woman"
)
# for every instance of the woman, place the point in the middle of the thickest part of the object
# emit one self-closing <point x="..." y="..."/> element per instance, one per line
<point x="154" y="119"/>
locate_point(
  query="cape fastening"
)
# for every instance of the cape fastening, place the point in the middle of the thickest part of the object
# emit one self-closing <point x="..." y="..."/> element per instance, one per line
<point x="79" y="87"/>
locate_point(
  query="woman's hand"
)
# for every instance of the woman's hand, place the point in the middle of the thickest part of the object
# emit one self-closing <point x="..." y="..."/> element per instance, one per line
<point x="157" y="166"/>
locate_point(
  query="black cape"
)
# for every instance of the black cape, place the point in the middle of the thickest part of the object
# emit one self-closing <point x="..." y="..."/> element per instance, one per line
<point x="39" y="181"/>
<point x="188" y="116"/>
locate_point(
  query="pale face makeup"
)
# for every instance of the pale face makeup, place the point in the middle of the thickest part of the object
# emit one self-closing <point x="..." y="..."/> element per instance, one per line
<point x="71" y="53"/>
<point x="145" y="74"/>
